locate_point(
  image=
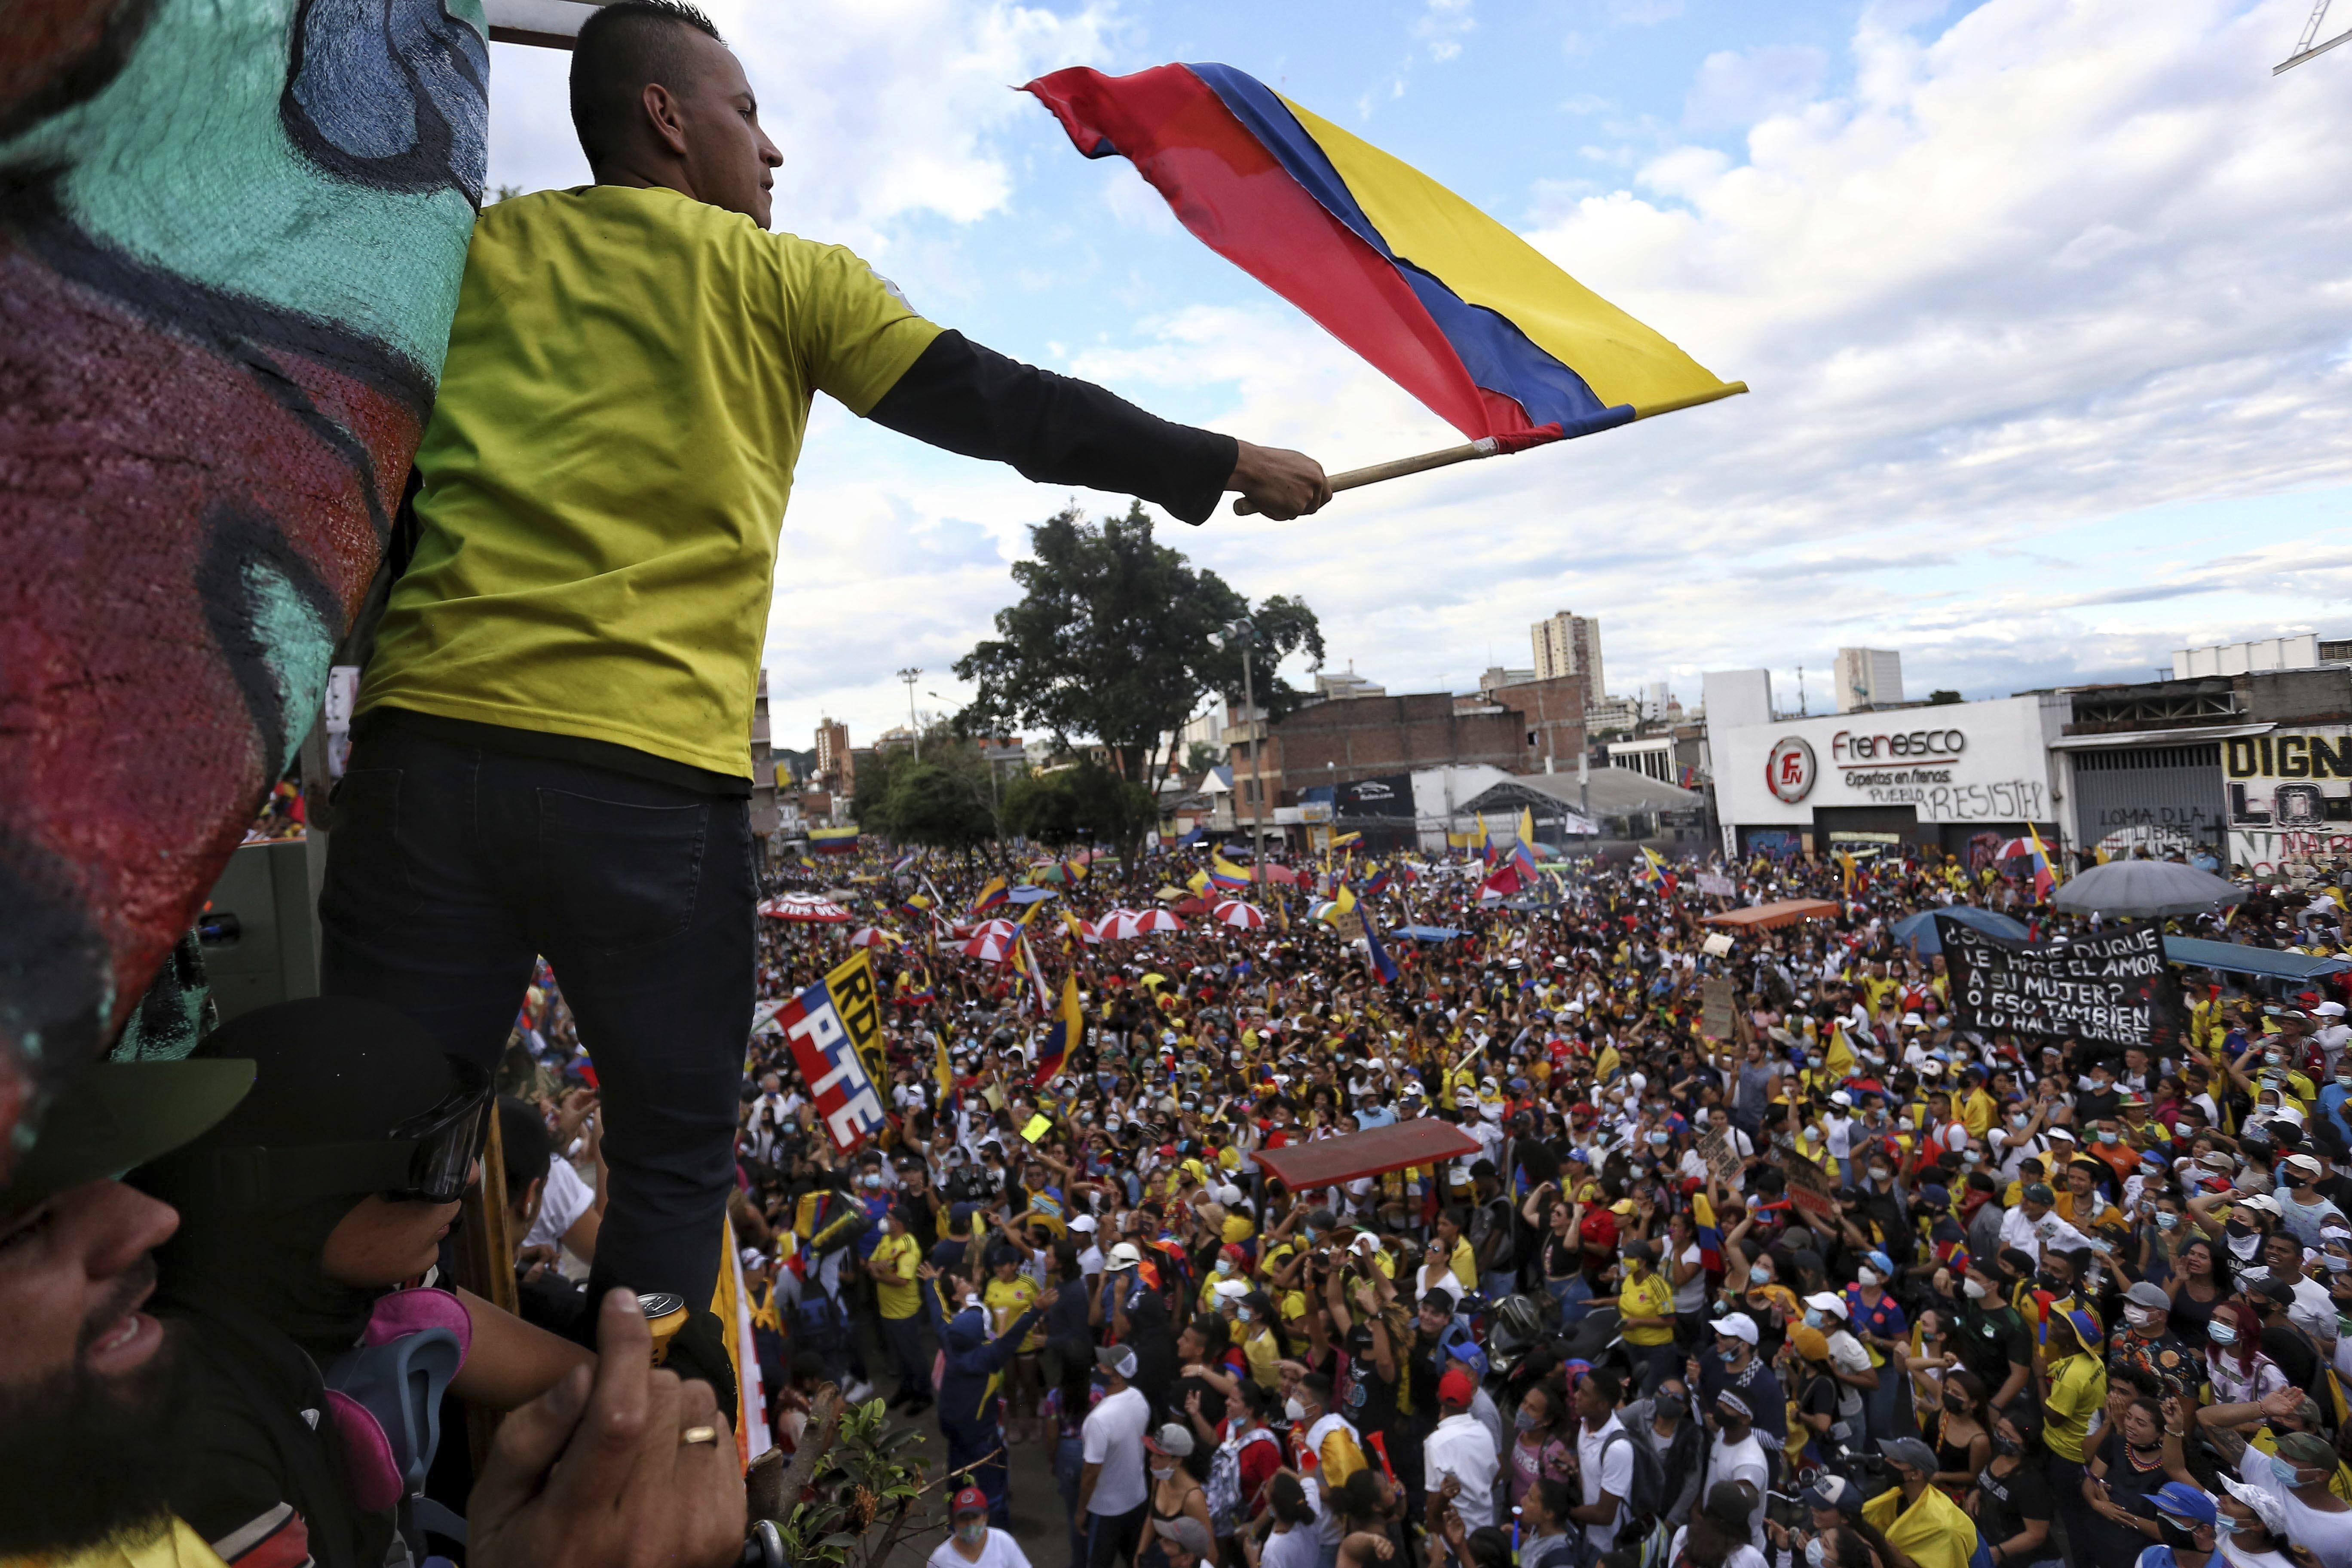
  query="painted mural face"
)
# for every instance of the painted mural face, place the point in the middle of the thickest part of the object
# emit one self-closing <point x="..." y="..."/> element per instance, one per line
<point x="231" y="232"/>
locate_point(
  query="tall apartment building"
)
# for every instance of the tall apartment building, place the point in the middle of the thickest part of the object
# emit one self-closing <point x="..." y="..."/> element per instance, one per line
<point x="1570" y="645"/>
<point x="1868" y="678"/>
<point x="835" y="770"/>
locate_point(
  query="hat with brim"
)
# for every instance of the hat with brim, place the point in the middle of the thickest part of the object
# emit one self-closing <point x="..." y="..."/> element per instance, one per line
<point x="1910" y="1453"/>
<point x="2261" y="1499"/>
<point x="113" y="1116"/>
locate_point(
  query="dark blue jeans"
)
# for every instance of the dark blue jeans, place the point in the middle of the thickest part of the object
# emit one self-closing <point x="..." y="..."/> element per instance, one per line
<point x="449" y="867"/>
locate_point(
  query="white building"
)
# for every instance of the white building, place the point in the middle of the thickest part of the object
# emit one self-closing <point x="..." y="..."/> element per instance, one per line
<point x="1733" y="699"/>
<point x="1868" y="678"/>
<point x="1962" y="777"/>
<point x="2245" y="658"/>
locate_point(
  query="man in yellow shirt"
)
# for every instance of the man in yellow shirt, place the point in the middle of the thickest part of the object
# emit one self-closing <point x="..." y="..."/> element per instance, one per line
<point x="891" y="1265"/>
<point x="552" y="748"/>
<point x="2069" y="1362"/>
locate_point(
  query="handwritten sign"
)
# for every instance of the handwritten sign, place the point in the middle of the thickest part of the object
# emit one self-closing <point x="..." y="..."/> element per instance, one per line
<point x="1715" y="884"/>
<point x="2113" y="988"/>
<point x="1714" y="1018"/>
<point x="1809" y="1187"/>
<point x="1721" y="1158"/>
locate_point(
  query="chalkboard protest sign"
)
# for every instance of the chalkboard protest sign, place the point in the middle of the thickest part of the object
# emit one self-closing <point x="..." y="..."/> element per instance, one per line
<point x="1809" y="1187"/>
<point x="2112" y="988"/>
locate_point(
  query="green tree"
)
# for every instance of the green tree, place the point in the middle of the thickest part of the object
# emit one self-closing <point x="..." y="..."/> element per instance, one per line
<point x="1944" y="699"/>
<point x="1116" y="639"/>
<point x="1083" y="805"/>
<point x="1203" y="756"/>
<point x="937" y="804"/>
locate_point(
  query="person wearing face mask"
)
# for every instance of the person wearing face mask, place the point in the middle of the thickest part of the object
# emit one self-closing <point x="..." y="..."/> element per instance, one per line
<point x="2240" y="1374"/>
<point x="2148" y="1344"/>
<point x="2298" y="1474"/>
<point x="1992" y="1337"/>
<point x="2250" y="1525"/>
<point x="1175" y="1493"/>
<point x="2185" y="1516"/>
<point x="2076" y="1380"/>
<point x="1645" y="1315"/>
<point x="974" y="1542"/>
<point x="2014" y="1497"/>
<point x="1915" y="1523"/>
<point x="2134" y="1454"/>
<point x="1875" y="1319"/>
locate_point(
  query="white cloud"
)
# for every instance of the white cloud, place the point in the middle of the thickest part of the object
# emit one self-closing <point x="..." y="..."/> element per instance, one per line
<point x="1442" y="25"/>
<point x="1735" y="90"/>
<point x="2037" y="275"/>
<point x="886" y="110"/>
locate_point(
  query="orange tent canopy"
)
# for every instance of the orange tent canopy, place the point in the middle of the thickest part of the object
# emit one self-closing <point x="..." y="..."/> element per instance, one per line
<point x="1328" y="1161"/>
<point x="1772" y="916"/>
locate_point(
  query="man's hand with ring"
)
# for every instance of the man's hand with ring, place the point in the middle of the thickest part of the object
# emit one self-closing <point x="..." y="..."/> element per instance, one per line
<point x="630" y="1469"/>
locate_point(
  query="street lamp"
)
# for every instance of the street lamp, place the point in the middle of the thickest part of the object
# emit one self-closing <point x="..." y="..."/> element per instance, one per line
<point x="1243" y="633"/>
<point x="910" y="676"/>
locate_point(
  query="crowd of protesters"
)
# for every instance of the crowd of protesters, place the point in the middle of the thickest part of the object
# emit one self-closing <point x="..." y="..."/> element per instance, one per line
<point x="1937" y="1296"/>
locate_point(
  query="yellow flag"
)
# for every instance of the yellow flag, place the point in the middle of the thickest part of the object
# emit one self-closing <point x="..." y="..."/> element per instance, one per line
<point x="1527" y="828"/>
<point x="1604" y="1065"/>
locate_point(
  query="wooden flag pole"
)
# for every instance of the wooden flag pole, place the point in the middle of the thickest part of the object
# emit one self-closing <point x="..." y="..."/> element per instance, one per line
<point x="1485" y="447"/>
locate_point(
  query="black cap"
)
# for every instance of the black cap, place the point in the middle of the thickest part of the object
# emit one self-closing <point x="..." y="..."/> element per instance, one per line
<point x="116" y="1115"/>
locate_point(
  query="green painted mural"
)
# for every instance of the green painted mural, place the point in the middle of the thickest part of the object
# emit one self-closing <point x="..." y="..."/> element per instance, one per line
<point x="231" y="232"/>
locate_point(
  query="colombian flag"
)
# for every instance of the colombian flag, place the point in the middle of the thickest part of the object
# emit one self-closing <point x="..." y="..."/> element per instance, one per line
<point x="993" y="896"/>
<point x="1225" y="874"/>
<point x="1453" y="306"/>
<point x="1067" y="1030"/>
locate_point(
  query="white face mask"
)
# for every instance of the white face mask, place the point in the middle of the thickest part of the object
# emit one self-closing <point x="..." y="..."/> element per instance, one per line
<point x="1975" y="1290"/>
<point x="1865" y="1277"/>
<point x="1293" y="1409"/>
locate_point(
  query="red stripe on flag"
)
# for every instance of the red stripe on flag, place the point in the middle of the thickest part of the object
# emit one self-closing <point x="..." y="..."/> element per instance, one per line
<point x="1240" y="201"/>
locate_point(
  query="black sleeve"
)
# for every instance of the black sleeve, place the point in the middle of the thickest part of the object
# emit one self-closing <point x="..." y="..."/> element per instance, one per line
<point x="1054" y="428"/>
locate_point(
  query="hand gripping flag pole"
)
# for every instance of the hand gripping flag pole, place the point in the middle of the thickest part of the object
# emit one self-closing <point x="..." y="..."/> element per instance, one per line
<point x="1455" y="308"/>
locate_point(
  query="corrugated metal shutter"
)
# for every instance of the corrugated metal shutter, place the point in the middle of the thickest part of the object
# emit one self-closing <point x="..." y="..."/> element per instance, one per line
<point x="2149" y="795"/>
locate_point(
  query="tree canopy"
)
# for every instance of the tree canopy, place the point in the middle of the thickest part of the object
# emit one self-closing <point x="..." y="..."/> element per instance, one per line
<point x="943" y="801"/>
<point x="1116" y="640"/>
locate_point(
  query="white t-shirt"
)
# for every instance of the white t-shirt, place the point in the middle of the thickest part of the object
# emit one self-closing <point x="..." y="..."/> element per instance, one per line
<point x="1002" y="1552"/>
<point x="1742" y="1461"/>
<point x="1114" y="1439"/>
<point x="2326" y="1536"/>
<point x="1738" y="1557"/>
<point x="1611" y="1475"/>
<point x="1301" y="1546"/>
<point x="1461" y="1447"/>
<point x="567" y="1197"/>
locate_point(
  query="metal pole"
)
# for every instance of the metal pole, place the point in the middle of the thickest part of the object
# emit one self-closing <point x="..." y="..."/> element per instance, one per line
<point x="1257" y="756"/>
<point x="909" y="677"/>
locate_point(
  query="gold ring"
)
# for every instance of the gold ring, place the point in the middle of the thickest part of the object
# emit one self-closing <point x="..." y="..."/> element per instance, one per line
<point x="699" y="1435"/>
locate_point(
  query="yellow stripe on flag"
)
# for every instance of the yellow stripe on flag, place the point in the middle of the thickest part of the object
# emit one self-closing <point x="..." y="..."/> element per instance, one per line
<point x="1622" y="360"/>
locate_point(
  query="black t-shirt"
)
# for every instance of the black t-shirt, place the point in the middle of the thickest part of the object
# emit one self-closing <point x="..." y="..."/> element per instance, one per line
<point x="2293" y="1352"/>
<point x="1371" y="1402"/>
<point x="1987" y="1342"/>
<point x="2015" y="1501"/>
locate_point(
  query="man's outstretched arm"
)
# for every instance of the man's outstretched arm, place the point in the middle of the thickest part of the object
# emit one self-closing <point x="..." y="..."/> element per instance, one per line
<point x="1059" y="430"/>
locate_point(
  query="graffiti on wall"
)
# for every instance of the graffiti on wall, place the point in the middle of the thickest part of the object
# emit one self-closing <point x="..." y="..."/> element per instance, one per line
<point x="2290" y="798"/>
<point x="231" y="232"/>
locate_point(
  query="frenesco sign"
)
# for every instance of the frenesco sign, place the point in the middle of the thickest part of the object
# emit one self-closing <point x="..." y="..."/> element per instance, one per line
<point x="1848" y="750"/>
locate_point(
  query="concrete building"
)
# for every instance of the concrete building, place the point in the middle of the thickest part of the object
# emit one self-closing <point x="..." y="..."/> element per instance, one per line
<point x="1652" y="758"/>
<point x="1326" y="744"/>
<point x="1551" y="712"/>
<point x="1868" y="678"/>
<point x="1735" y="698"/>
<point x="1570" y="645"/>
<point x="1339" y="685"/>
<point x="1604" y="715"/>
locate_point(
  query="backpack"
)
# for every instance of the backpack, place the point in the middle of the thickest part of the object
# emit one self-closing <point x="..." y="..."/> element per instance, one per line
<point x="1646" y="1499"/>
<point x="1226" y="1515"/>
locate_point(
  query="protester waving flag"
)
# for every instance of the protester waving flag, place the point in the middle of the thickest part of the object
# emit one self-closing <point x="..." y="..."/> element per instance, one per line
<point x="1485" y="330"/>
<point x="993" y="896"/>
<point x="1067" y="1030"/>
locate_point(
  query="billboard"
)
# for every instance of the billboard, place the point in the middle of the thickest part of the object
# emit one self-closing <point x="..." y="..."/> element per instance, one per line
<point x="1386" y="795"/>
<point x="2290" y="797"/>
<point x="1958" y="763"/>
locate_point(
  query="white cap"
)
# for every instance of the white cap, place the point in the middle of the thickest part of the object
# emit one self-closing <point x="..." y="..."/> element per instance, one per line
<point x="1738" y="1325"/>
<point x="1913" y="1021"/>
<point x="1124" y="1256"/>
<point x="1825" y="1301"/>
<point x="1841" y="1097"/>
<point x="1085" y="1222"/>
<point x="2329" y="1009"/>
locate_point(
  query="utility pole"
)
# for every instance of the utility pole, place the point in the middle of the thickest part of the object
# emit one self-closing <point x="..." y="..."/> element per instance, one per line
<point x="1243" y="633"/>
<point x="911" y="675"/>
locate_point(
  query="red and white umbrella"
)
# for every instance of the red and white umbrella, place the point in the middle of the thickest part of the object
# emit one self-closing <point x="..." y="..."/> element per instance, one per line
<point x="992" y="941"/>
<point x="1237" y="914"/>
<point x="874" y="936"/>
<point x="1123" y="925"/>
<point x="806" y="907"/>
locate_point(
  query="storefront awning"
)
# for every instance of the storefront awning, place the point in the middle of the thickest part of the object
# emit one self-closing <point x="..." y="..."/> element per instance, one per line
<point x="1328" y="1161"/>
<point x="1773" y="916"/>
<point x="2237" y="958"/>
<point x="2188" y="735"/>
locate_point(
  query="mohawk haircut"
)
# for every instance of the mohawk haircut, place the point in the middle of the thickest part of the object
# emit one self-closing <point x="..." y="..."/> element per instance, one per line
<point x="621" y="49"/>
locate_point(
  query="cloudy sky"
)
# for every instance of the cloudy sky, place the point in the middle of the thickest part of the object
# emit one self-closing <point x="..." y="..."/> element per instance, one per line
<point x="2046" y="306"/>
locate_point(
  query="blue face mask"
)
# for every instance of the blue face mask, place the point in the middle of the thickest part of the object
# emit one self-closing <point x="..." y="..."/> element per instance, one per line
<point x="1816" y="1317"/>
